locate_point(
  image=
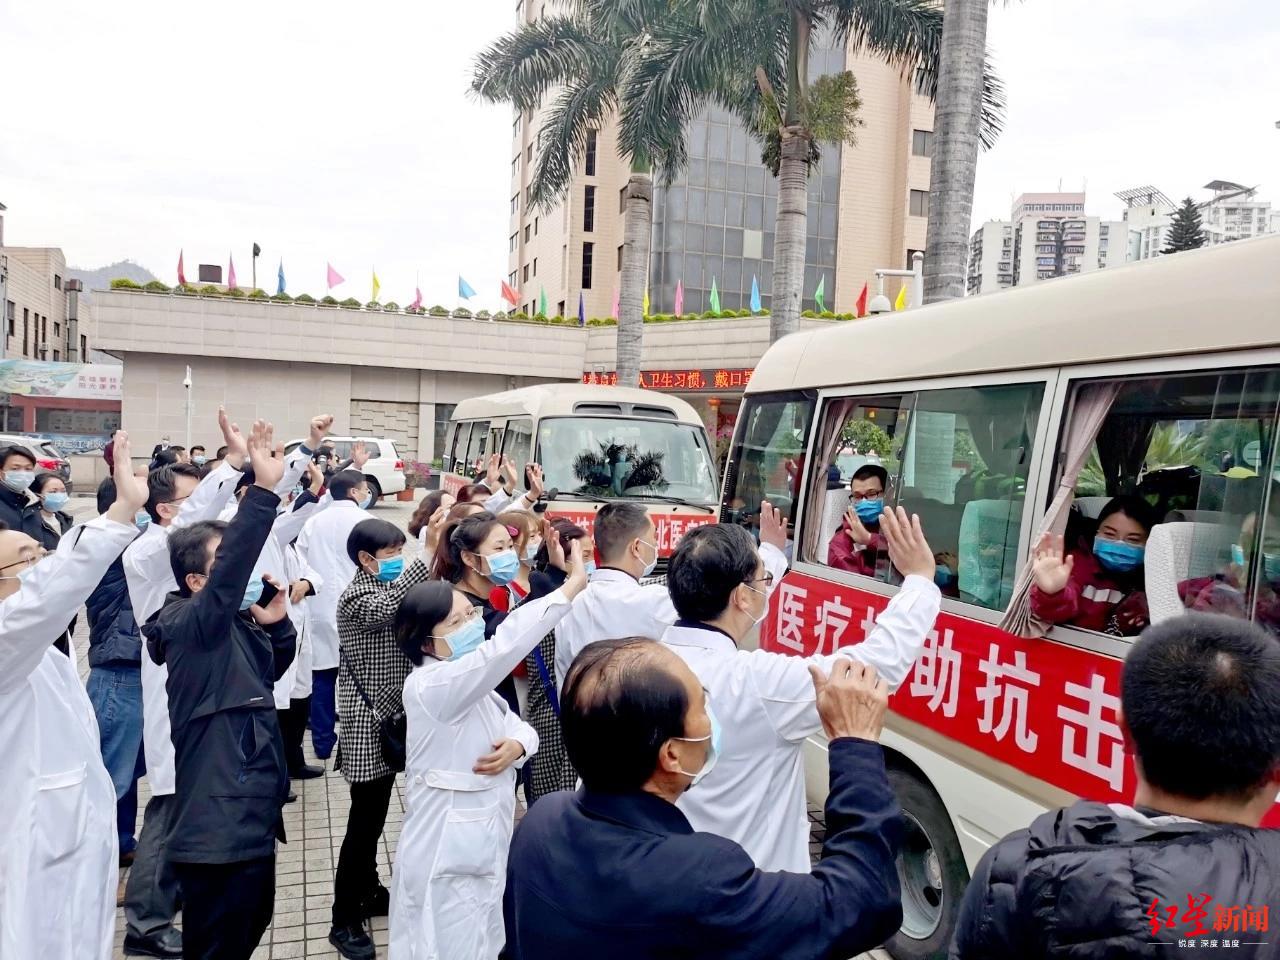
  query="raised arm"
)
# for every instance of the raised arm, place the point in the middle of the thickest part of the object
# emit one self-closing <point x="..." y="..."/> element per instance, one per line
<point x="378" y="607"/>
<point x="296" y="463"/>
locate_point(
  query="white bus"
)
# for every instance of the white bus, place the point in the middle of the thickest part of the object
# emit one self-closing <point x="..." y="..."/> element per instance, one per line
<point x="1159" y="379"/>
<point x="596" y="445"/>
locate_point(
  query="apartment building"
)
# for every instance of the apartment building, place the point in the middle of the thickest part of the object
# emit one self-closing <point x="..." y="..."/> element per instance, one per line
<point x="868" y="207"/>
<point x="45" y="318"/>
<point x="1232" y="212"/>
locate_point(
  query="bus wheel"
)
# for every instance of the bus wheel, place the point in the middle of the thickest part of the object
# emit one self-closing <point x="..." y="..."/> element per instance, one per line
<point x="931" y="870"/>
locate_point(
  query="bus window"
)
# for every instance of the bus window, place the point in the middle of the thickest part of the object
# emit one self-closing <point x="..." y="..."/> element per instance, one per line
<point x="964" y="471"/>
<point x="1197" y="450"/>
<point x="518" y="444"/>
<point x="473" y="465"/>
<point x="767" y="459"/>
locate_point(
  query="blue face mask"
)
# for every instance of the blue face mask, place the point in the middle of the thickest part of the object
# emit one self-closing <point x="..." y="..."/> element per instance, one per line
<point x="943" y="576"/>
<point x="503" y="567"/>
<point x="53" y="502"/>
<point x="199" y="459"/>
<point x="252" y="593"/>
<point x="466" y="638"/>
<point x="590" y="567"/>
<point x="368" y="499"/>
<point x="1118" y="557"/>
<point x="389" y="570"/>
<point x="713" y="748"/>
<point x="297" y="491"/>
<point x="531" y="552"/>
<point x="1237" y="554"/>
<point x="1271" y="566"/>
<point x="869" y="510"/>
<point x="142" y="519"/>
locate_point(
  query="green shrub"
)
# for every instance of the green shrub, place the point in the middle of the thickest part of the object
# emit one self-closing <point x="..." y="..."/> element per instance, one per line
<point x="483" y="315"/>
<point x="391" y="307"/>
<point x="540" y="317"/>
<point x="328" y="300"/>
<point x="351" y="303"/>
<point x="462" y="313"/>
<point x="438" y="311"/>
<point x="155" y="286"/>
<point x="124" y="283"/>
<point x="237" y="292"/>
<point x="745" y="313"/>
<point x="372" y="305"/>
<point x="416" y="311"/>
<point x="185" y="290"/>
<point x="256" y="294"/>
<point x="303" y="298"/>
<point x="519" y="315"/>
<point x="209" y="290"/>
<point x="709" y="315"/>
<point x="500" y="315"/>
<point x="283" y="297"/>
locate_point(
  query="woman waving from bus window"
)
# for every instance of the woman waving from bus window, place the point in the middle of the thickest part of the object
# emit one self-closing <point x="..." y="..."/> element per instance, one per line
<point x="1101" y="588"/>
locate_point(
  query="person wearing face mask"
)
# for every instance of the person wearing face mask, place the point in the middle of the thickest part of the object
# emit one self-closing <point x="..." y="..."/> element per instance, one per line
<point x="720" y="586"/>
<point x="19" y="508"/>
<point x="370" y="682"/>
<point x="198" y="456"/>
<point x="858" y="545"/>
<point x="526" y="538"/>
<point x="1225" y="592"/>
<point x="51" y="492"/>
<point x="463" y="745"/>
<point x="59" y="862"/>
<point x="323" y="545"/>
<point x="224" y="652"/>
<point x="619" y="854"/>
<point x="1100" y="588"/>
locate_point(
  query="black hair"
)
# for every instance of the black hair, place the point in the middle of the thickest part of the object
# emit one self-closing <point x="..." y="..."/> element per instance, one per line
<point x="567" y="531"/>
<point x="164" y="458"/>
<point x="426" y="507"/>
<point x="616" y="525"/>
<point x="466" y="537"/>
<point x="1201" y="697"/>
<point x="424" y="607"/>
<point x="709" y="564"/>
<point x="442" y="565"/>
<point x="106" y="495"/>
<point x="372" y="535"/>
<point x="870" y="471"/>
<point x="197" y="447"/>
<point x="162" y="485"/>
<point x="178" y="449"/>
<point x="618" y="708"/>
<point x="222" y="453"/>
<point x="42" y="480"/>
<point x="13" y="450"/>
<point x="189" y="550"/>
<point x="474" y="493"/>
<point x="1133" y="507"/>
<point x="343" y="483"/>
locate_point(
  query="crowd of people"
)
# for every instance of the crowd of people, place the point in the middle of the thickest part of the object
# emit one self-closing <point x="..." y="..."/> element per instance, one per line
<point x="237" y="601"/>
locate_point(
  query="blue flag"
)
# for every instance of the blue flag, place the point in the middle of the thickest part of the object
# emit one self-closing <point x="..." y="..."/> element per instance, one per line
<point x="280" y="278"/>
<point x="582" y="311"/>
<point x="755" y="295"/>
<point x="464" y="289"/>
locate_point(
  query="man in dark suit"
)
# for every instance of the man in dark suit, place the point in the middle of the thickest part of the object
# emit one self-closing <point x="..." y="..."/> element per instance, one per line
<point x="615" y="869"/>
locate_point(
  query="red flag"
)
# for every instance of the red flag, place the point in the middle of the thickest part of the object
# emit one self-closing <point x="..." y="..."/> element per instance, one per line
<point x="182" y="277"/>
<point x="860" y="308"/>
<point x="509" y="294"/>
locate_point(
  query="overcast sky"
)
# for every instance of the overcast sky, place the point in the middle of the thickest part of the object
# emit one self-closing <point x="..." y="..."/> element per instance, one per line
<point x="343" y="132"/>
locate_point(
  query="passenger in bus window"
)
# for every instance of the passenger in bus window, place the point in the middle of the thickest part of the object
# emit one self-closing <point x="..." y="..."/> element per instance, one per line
<point x="1100" y="588"/>
<point x="858" y="544"/>
<point x="1224" y="592"/>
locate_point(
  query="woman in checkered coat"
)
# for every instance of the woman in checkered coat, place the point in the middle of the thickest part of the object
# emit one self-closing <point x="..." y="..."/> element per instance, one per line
<point x="371" y="679"/>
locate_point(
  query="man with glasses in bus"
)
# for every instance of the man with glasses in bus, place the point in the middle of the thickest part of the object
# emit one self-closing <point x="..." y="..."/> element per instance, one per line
<point x="858" y="544"/>
<point x="720" y="587"/>
<point x="1200" y="712"/>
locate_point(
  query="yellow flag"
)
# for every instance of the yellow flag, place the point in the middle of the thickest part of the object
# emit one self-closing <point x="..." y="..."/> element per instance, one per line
<point x="901" y="302"/>
<point x="644" y="311"/>
<point x="376" y="286"/>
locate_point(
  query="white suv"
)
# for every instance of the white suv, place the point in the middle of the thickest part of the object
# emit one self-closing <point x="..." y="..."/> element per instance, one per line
<point x="384" y="470"/>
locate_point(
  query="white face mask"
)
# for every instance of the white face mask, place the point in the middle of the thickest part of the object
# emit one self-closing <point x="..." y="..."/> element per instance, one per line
<point x="19" y="480"/>
<point x="652" y="564"/>
<point x="756" y="621"/>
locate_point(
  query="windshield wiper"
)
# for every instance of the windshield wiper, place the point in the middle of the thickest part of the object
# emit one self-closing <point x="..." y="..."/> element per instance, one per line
<point x="666" y="498"/>
<point x="554" y="494"/>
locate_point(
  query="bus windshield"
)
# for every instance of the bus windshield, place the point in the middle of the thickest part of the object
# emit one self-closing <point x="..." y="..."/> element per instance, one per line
<point x="628" y="459"/>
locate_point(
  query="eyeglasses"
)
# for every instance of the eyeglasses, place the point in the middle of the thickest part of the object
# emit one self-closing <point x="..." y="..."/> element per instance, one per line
<point x="767" y="580"/>
<point x="859" y="497"/>
<point x="25" y="562"/>
<point x="453" y="623"/>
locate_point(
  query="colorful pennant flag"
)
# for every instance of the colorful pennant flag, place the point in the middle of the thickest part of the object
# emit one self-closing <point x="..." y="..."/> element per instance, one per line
<point x="616" y="305"/>
<point x="231" y="272"/>
<point x="280" y="278"/>
<point x="715" y="296"/>
<point x="860" y="308"/>
<point x="509" y="295"/>
<point x="644" y="306"/>
<point x="334" y="277"/>
<point x="464" y="289"/>
<point x="820" y="295"/>
<point x="582" y="310"/>
<point x="182" y="277"/>
<point x="679" y="309"/>
<point x="417" y="299"/>
<point x="377" y="286"/>
<point x="755" y="295"/>
<point x="901" y="302"/>
<point x="542" y="301"/>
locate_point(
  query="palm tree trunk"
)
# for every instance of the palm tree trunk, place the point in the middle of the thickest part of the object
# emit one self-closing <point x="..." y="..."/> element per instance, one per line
<point x="790" y="233"/>
<point x="957" y="116"/>
<point x="635" y="275"/>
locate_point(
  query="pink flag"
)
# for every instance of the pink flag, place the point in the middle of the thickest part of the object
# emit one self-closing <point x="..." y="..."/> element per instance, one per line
<point x="182" y="276"/>
<point x="417" y="299"/>
<point x="614" y="314"/>
<point x="334" y="277"/>
<point x="231" y="273"/>
<point x="679" y="297"/>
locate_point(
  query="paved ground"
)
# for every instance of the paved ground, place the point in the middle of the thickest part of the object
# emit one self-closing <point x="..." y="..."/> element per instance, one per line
<point x="315" y="827"/>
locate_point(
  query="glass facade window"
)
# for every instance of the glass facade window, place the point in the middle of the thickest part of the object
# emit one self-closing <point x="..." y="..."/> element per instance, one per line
<point x="588" y="254"/>
<point x="589" y="210"/>
<point x="589" y="160"/>
<point x="922" y="143"/>
<point x="919" y="203"/>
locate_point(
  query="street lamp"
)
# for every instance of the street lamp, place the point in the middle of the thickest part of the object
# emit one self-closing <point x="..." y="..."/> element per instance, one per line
<point x="186" y="385"/>
<point x="880" y="303"/>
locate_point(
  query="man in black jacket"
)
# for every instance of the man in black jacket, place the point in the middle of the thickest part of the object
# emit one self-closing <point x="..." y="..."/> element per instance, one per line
<point x="1187" y="864"/>
<point x="224" y="652"/>
<point x="18" y="509"/>
<point x="615" y="869"/>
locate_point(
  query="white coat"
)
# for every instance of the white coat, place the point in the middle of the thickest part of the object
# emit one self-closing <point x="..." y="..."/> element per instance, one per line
<point x="150" y="577"/>
<point x="451" y="862"/>
<point x="323" y="545"/>
<point x="58" y="847"/>
<point x="300" y="616"/>
<point x="765" y="705"/>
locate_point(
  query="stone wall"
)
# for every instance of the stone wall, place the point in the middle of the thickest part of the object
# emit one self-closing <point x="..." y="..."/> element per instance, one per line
<point x="390" y="419"/>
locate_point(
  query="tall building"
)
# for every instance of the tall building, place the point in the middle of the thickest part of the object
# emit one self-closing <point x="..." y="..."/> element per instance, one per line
<point x="45" y="318"/>
<point x="1047" y="235"/>
<point x="868" y="207"/>
<point x="1232" y="212"/>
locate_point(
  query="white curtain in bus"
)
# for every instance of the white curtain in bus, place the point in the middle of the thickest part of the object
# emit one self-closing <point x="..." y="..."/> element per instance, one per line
<point x="1087" y="413"/>
<point x="828" y="441"/>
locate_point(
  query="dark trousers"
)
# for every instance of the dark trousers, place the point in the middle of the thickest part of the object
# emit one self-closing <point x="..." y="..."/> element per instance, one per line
<point x="152" y="893"/>
<point x="227" y="907"/>
<point x="324" y="711"/>
<point x="293" y="726"/>
<point x="357" y="875"/>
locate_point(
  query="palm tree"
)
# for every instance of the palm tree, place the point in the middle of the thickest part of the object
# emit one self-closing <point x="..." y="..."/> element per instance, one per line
<point x="578" y="58"/>
<point x="752" y="57"/>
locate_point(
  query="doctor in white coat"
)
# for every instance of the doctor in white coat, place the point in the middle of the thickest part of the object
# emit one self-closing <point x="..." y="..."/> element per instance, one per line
<point x="464" y="745"/>
<point x="764" y="702"/>
<point x="58" y="849"/>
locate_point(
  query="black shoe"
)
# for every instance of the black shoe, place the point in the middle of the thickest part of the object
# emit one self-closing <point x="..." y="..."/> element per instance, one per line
<point x="291" y="798"/>
<point x="168" y="945"/>
<point x="378" y="904"/>
<point x="306" y="773"/>
<point x="353" y="943"/>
